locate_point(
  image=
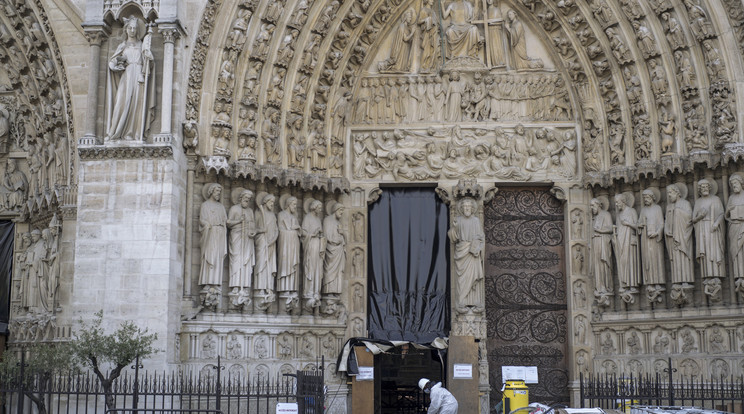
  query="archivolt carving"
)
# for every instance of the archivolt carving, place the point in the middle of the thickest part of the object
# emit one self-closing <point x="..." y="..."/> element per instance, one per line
<point x="338" y="40"/>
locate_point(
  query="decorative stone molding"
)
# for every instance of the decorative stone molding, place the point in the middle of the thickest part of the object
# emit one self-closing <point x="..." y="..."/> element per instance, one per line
<point x="124" y="152"/>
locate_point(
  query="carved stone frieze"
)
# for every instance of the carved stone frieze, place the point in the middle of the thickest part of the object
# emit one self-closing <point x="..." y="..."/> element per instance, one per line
<point x="125" y="152"/>
<point x="517" y="154"/>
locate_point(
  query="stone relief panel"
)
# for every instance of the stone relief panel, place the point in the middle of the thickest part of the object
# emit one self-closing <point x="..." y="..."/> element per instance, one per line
<point x="515" y="154"/>
<point x="273" y="251"/>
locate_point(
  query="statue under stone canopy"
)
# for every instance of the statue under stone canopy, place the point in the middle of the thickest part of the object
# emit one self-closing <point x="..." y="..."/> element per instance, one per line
<point x="130" y="89"/>
<point x="735" y="218"/>
<point x="242" y="225"/>
<point x="678" y="234"/>
<point x="313" y="244"/>
<point x="335" y="254"/>
<point x="626" y="246"/>
<point x="601" y="250"/>
<point x="212" y="225"/>
<point x="267" y="233"/>
<point x="708" y="216"/>
<point x="289" y="251"/>
<point x="467" y="235"/>
<point x="651" y="229"/>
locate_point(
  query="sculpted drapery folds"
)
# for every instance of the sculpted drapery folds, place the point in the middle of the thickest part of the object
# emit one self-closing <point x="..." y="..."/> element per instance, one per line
<point x="708" y="216"/>
<point x="735" y="218"/>
<point x="242" y="225"/>
<point x="400" y="48"/>
<point x="462" y="36"/>
<point x="467" y="235"/>
<point x="626" y="246"/>
<point x="428" y="22"/>
<point x="288" y="246"/>
<point x="518" y="43"/>
<point x="267" y="233"/>
<point x="678" y="234"/>
<point x="601" y="250"/>
<point x="212" y="222"/>
<point x="651" y="227"/>
<point x="15" y="186"/>
<point x="335" y="254"/>
<point x="130" y="89"/>
<point x="313" y="243"/>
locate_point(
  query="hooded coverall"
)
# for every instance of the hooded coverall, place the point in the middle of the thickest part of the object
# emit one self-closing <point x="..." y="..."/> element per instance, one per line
<point x="442" y="401"/>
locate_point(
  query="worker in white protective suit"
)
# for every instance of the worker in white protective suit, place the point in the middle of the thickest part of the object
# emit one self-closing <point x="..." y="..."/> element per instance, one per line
<point x="442" y="401"/>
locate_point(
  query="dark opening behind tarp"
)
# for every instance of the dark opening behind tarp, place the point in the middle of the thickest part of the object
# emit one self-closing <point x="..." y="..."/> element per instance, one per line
<point x="408" y="265"/>
<point x="6" y="271"/>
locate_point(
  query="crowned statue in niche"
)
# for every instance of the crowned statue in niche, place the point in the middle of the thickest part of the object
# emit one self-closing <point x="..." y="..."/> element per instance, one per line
<point x="467" y="235"/>
<point x="130" y="86"/>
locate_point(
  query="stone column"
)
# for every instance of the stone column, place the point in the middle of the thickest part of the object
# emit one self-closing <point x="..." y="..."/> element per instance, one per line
<point x="96" y="35"/>
<point x="170" y="34"/>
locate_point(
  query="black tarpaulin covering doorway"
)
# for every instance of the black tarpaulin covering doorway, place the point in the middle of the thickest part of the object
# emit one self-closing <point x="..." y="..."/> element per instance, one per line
<point x="408" y="266"/>
<point x="7" y="230"/>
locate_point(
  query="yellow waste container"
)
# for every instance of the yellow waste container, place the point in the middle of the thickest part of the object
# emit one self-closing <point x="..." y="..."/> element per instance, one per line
<point x="515" y="395"/>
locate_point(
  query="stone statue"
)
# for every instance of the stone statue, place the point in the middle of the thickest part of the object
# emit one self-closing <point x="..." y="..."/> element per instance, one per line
<point x="454" y="97"/>
<point x="651" y="226"/>
<point x="400" y="48"/>
<point x="708" y="216"/>
<point x="212" y="222"/>
<point x="461" y="35"/>
<point x="467" y="235"/>
<point x="267" y="233"/>
<point x="495" y="33"/>
<point x="15" y="186"/>
<point x="735" y="218"/>
<point x="678" y="234"/>
<point x="242" y="225"/>
<point x="313" y="243"/>
<point x="626" y="246"/>
<point x="428" y="21"/>
<point x="518" y="43"/>
<point x="130" y="89"/>
<point x="37" y="276"/>
<point x="52" y="261"/>
<point x="289" y="251"/>
<point x="601" y="250"/>
<point x="335" y="254"/>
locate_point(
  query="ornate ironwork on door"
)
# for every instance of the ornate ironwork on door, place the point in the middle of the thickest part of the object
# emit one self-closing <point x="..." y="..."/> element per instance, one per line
<point x="526" y="303"/>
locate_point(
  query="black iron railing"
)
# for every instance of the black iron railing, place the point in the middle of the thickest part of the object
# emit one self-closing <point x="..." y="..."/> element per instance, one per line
<point x="613" y="392"/>
<point x="213" y="392"/>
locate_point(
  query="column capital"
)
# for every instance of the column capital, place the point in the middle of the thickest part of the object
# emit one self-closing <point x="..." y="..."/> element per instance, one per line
<point x="169" y="34"/>
<point x="171" y="30"/>
<point x="96" y="33"/>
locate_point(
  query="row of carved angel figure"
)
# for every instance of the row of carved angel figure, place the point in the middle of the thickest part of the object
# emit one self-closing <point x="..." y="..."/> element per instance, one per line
<point x="456" y="152"/>
<point x="38" y="269"/>
<point x="638" y="241"/>
<point x="463" y="97"/>
<point x="272" y="253"/>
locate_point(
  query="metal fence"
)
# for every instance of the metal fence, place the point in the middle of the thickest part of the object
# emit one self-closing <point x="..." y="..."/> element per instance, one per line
<point x="162" y="393"/>
<point x="612" y="392"/>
